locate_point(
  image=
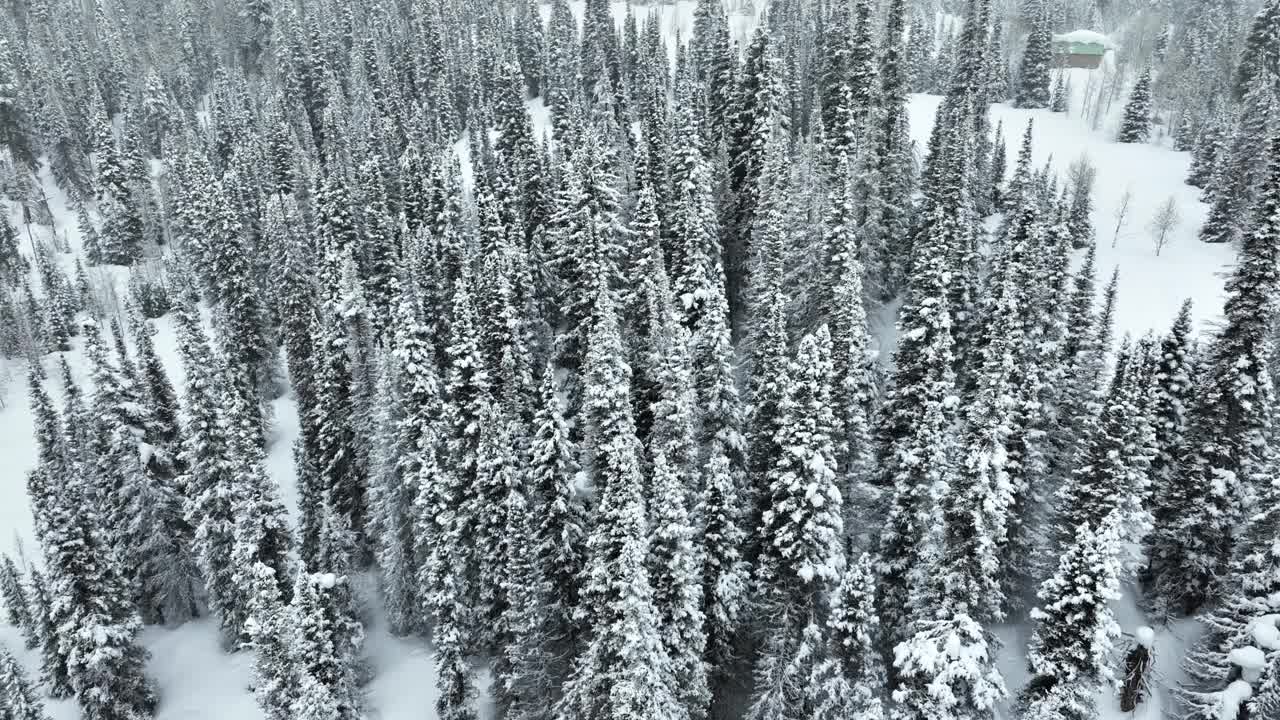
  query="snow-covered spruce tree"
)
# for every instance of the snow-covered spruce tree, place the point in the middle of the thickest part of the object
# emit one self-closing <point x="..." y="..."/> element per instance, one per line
<point x="162" y="401"/>
<point x="1235" y="185"/>
<point x="338" y="458"/>
<point x="91" y="609"/>
<point x="411" y="403"/>
<point x="1260" y="56"/>
<point x="624" y="669"/>
<point x="1135" y="126"/>
<point x="17" y="698"/>
<point x="1252" y="586"/>
<point x="916" y="418"/>
<point x="446" y="505"/>
<point x="1072" y="643"/>
<point x="328" y="635"/>
<point x="853" y="391"/>
<point x="561" y="520"/>
<point x="53" y="659"/>
<point x="760" y="93"/>
<point x="583" y="234"/>
<point x="16" y="604"/>
<point x="1110" y="474"/>
<point x="1210" y="149"/>
<point x="137" y="491"/>
<point x="500" y="482"/>
<point x="272" y="634"/>
<point x="1032" y="89"/>
<point x="1176" y="374"/>
<point x="261" y="533"/>
<point x="1228" y="456"/>
<point x="210" y="479"/>
<point x="855" y="637"/>
<point x="675" y="569"/>
<point x="802" y="557"/>
<point x="239" y="315"/>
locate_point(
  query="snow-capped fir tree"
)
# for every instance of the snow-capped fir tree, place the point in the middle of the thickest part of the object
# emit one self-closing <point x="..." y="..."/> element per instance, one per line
<point x="447" y="505"/>
<point x="91" y="608"/>
<point x="802" y="557"/>
<point x="136" y="489"/>
<point x="16" y="605"/>
<point x="328" y="634"/>
<point x="272" y="635"/>
<point x="1175" y="377"/>
<point x="338" y="460"/>
<point x="562" y="522"/>
<point x="54" y="675"/>
<point x="412" y="403"/>
<point x="915" y="420"/>
<point x="1135" y="126"/>
<point x="624" y="669"/>
<point x="17" y="698"/>
<point x="1210" y="149"/>
<point x="162" y="401"/>
<point x="261" y="533"/>
<point x="500" y="481"/>
<point x="1061" y="93"/>
<point x="1260" y="56"/>
<point x="239" y="316"/>
<point x="759" y="94"/>
<point x="527" y="689"/>
<point x="1251" y="599"/>
<point x="853" y="391"/>
<point x="1228" y="451"/>
<point x="855" y="637"/>
<point x="210" y="479"/>
<point x="1072" y="643"/>
<point x="1032" y="89"/>
<point x="1111" y="474"/>
<point x="675" y="568"/>
<point x="1236" y="183"/>
<point x="583" y="235"/>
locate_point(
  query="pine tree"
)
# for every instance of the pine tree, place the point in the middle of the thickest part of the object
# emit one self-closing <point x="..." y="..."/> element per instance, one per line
<point x="1259" y="56"/>
<point x="562" y="522"/>
<point x="1071" y="646"/>
<point x="624" y="669"/>
<point x="276" y="667"/>
<point x="210" y="480"/>
<point x="328" y="636"/>
<point x="1135" y="127"/>
<point x="54" y="675"/>
<point x="17" y="698"/>
<point x="675" y="568"/>
<point x="1032" y="90"/>
<point x="1176" y="373"/>
<point x="95" y="621"/>
<point x="16" y="604"/>
<point x="854" y="630"/>
<point x="802" y="559"/>
<point x="1228" y="452"/>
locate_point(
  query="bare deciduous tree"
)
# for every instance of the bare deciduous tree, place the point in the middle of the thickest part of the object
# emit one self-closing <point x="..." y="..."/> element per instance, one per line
<point x="1122" y="214"/>
<point x="1163" y="223"/>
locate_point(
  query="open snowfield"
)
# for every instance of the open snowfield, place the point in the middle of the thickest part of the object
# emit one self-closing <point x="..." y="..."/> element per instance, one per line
<point x="197" y="680"/>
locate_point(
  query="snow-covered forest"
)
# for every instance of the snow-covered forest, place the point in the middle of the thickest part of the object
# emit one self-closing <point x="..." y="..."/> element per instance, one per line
<point x="606" y="360"/>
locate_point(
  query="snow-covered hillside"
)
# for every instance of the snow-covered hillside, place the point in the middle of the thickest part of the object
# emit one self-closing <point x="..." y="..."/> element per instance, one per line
<point x="198" y="680"/>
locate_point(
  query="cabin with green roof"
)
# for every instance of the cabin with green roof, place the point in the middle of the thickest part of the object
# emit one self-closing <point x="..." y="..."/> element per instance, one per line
<point x="1081" y="49"/>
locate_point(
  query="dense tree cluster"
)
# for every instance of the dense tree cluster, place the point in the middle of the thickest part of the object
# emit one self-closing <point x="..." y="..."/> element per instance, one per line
<point x="597" y="401"/>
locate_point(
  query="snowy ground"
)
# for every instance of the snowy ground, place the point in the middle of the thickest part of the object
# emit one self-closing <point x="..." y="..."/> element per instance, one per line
<point x="198" y="680"/>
